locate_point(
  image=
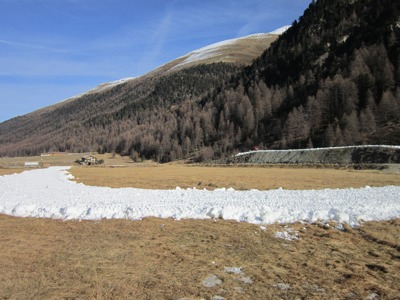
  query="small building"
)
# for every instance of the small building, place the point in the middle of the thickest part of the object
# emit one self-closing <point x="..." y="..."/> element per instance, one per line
<point x="89" y="160"/>
<point x="32" y="164"/>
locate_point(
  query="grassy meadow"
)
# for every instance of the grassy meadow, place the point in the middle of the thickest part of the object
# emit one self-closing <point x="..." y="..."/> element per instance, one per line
<point x="167" y="259"/>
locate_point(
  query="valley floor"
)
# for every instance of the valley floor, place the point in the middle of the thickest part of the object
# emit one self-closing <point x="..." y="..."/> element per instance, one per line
<point x="245" y="177"/>
<point x="278" y="257"/>
<point x="52" y="193"/>
<point x="196" y="259"/>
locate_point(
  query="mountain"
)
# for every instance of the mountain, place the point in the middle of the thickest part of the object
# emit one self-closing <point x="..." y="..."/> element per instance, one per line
<point x="65" y="126"/>
<point x="331" y="79"/>
<point x="241" y="50"/>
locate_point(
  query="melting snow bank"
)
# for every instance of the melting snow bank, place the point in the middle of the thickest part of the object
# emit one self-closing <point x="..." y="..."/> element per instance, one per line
<point x="49" y="193"/>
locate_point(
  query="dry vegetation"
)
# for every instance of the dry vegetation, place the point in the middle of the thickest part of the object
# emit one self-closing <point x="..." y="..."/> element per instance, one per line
<point x="118" y="171"/>
<point x="167" y="259"/>
<point x="10" y="171"/>
<point x="66" y="159"/>
<point x="242" y="51"/>
<point x="169" y="176"/>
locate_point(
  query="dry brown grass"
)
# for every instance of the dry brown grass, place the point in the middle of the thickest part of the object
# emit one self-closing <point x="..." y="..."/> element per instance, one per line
<point x="166" y="259"/>
<point x="10" y="171"/>
<point x="242" y="51"/>
<point x="170" y="176"/>
<point x="63" y="160"/>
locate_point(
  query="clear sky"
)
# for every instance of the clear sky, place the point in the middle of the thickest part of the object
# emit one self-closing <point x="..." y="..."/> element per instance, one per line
<point x="51" y="50"/>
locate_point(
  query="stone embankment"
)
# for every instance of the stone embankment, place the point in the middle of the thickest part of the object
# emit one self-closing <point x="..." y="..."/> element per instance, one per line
<point x="350" y="155"/>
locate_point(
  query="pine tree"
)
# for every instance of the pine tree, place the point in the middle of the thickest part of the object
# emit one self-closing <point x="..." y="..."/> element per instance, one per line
<point x="388" y="109"/>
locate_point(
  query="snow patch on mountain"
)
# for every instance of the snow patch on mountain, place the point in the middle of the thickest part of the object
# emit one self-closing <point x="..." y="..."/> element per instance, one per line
<point x="203" y="53"/>
<point x="216" y="49"/>
<point x="100" y="88"/>
<point x="110" y="84"/>
<point x="318" y="149"/>
<point x="281" y="30"/>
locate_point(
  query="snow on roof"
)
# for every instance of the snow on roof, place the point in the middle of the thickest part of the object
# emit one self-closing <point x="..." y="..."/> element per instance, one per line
<point x="49" y="193"/>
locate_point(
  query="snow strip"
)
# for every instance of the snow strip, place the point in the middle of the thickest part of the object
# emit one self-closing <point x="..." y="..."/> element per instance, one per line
<point x="49" y="193"/>
<point x="280" y="30"/>
<point x="318" y="149"/>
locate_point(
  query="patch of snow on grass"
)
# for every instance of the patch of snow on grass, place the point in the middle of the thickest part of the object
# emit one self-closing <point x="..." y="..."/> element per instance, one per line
<point x="211" y="281"/>
<point x="283" y="286"/>
<point x="288" y="234"/>
<point x="233" y="270"/>
<point x="49" y="193"/>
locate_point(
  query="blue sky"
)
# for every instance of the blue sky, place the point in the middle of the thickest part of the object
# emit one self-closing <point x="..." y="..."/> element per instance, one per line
<point x="51" y="50"/>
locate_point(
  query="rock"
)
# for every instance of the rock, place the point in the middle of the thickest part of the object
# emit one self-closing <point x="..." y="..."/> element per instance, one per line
<point x="372" y="296"/>
<point x="246" y="279"/>
<point x="239" y="289"/>
<point x="211" y="281"/>
<point x="283" y="286"/>
<point x="233" y="270"/>
<point x="365" y="156"/>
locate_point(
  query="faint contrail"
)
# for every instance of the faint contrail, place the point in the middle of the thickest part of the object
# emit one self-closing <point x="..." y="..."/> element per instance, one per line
<point x="24" y="45"/>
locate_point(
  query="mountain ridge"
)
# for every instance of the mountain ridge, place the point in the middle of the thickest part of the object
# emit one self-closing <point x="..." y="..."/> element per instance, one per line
<point x="18" y="133"/>
<point x="332" y="79"/>
<point x="224" y="51"/>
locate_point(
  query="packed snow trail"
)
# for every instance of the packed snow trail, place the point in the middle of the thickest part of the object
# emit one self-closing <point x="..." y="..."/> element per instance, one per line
<point x="49" y="193"/>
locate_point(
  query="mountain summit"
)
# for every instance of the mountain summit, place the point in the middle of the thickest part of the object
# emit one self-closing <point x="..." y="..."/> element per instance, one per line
<point x="241" y="50"/>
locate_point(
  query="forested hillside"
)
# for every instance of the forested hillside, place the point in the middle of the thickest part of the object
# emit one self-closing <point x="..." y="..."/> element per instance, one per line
<point x="332" y="79"/>
<point x="137" y="117"/>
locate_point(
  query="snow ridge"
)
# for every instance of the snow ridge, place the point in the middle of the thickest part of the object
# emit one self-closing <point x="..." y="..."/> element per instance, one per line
<point x="280" y="30"/>
<point x="215" y="49"/>
<point x="107" y="85"/>
<point x="318" y="149"/>
<point x="100" y="87"/>
<point x="49" y="193"/>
